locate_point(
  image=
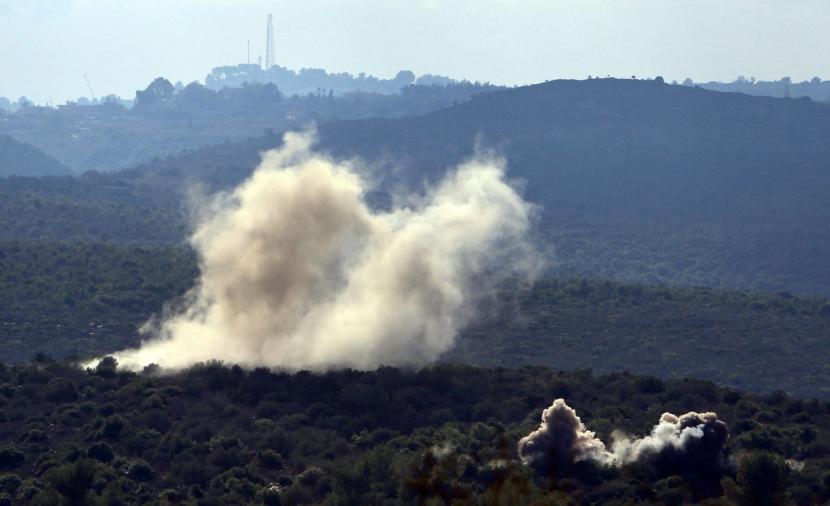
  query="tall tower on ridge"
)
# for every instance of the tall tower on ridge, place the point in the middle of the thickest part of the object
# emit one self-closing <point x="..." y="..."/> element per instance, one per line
<point x="270" y="57"/>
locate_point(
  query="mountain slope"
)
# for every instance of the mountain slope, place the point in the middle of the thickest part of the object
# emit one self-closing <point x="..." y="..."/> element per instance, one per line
<point x="214" y="434"/>
<point x="638" y="180"/>
<point x="21" y="159"/>
<point x="88" y="299"/>
<point x="626" y="146"/>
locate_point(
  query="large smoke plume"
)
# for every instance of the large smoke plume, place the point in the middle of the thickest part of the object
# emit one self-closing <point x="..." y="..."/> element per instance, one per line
<point x="297" y="271"/>
<point x="693" y="441"/>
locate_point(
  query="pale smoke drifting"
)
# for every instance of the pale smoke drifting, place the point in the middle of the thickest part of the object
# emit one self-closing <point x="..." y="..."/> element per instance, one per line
<point x="298" y="272"/>
<point x="698" y="436"/>
<point x="690" y="440"/>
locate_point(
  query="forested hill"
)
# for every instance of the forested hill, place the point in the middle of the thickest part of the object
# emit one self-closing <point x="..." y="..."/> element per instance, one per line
<point x="641" y="147"/>
<point x="598" y="146"/>
<point x="219" y="435"/>
<point x="88" y="299"/>
<point x="639" y="180"/>
<point x="644" y="181"/>
<point x="21" y="159"/>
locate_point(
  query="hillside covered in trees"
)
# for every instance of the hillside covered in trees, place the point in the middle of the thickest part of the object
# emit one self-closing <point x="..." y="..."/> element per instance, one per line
<point x="637" y="180"/>
<point x="215" y="435"/>
<point x="88" y="299"/>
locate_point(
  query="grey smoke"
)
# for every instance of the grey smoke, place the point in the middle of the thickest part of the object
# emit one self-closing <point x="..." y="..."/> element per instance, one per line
<point x="692" y="436"/>
<point x="692" y="440"/>
<point x="297" y="271"/>
<point x="561" y="439"/>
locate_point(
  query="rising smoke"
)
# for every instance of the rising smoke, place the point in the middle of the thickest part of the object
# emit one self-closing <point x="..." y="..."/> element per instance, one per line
<point x="298" y="272"/>
<point x="562" y="439"/>
<point x="693" y="440"/>
<point x="677" y="443"/>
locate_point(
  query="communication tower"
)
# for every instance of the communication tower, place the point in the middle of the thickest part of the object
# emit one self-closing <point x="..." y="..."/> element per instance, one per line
<point x="270" y="57"/>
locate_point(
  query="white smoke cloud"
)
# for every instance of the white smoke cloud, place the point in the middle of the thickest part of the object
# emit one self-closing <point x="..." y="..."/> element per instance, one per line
<point x="298" y="272"/>
<point x="676" y="442"/>
<point x="675" y="434"/>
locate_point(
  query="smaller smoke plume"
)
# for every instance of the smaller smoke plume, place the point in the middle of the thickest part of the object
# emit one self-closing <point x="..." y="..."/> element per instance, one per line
<point x="694" y="441"/>
<point x="561" y="439"/>
<point x="677" y="442"/>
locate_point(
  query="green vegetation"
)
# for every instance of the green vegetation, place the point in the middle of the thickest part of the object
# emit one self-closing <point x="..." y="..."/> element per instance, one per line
<point x="216" y="435"/>
<point x="638" y="181"/>
<point x="81" y="298"/>
<point x="85" y="208"/>
<point x="754" y="341"/>
<point x="89" y="298"/>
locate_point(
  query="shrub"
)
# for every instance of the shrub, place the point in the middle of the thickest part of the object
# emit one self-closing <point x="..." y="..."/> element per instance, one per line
<point x="61" y="390"/>
<point x="763" y="480"/>
<point x="100" y="452"/>
<point x="113" y="426"/>
<point x="649" y="385"/>
<point x="11" y="458"/>
<point x="107" y="367"/>
<point x="9" y="483"/>
<point x="73" y="481"/>
<point x="271" y="459"/>
<point x="141" y="471"/>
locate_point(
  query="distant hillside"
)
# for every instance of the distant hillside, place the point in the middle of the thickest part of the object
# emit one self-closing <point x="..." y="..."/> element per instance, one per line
<point x="638" y="180"/>
<point x="89" y="207"/>
<point x="21" y="159"/>
<point x="815" y="88"/>
<point x="165" y="121"/>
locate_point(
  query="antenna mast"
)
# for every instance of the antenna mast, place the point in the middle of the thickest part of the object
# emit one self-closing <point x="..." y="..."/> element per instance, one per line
<point x="269" y="44"/>
<point x="249" y="51"/>
<point x="91" y="94"/>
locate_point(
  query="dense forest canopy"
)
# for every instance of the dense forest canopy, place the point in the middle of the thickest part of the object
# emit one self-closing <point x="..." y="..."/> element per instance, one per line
<point x="88" y="299"/>
<point x="214" y="435"/>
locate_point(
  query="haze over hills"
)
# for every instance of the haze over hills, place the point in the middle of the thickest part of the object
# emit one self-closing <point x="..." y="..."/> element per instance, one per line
<point x="637" y="180"/>
<point x="698" y="187"/>
<point x="21" y="159"/>
<point x="166" y="119"/>
<point x="815" y="88"/>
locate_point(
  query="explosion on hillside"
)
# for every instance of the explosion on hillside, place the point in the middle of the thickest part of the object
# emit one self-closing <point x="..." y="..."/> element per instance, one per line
<point x="297" y="271"/>
<point x="677" y="443"/>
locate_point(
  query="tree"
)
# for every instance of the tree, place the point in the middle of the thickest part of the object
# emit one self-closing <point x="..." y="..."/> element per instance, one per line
<point x="11" y="457"/>
<point x="763" y="478"/>
<point x="73" y="481"/>
<point x="195" y="97"/>
<point x="159" y="92"/>
<point x="404" y="78"/>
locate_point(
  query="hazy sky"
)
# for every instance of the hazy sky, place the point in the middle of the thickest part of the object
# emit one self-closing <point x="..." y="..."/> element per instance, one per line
<point x="47" y="45"/>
